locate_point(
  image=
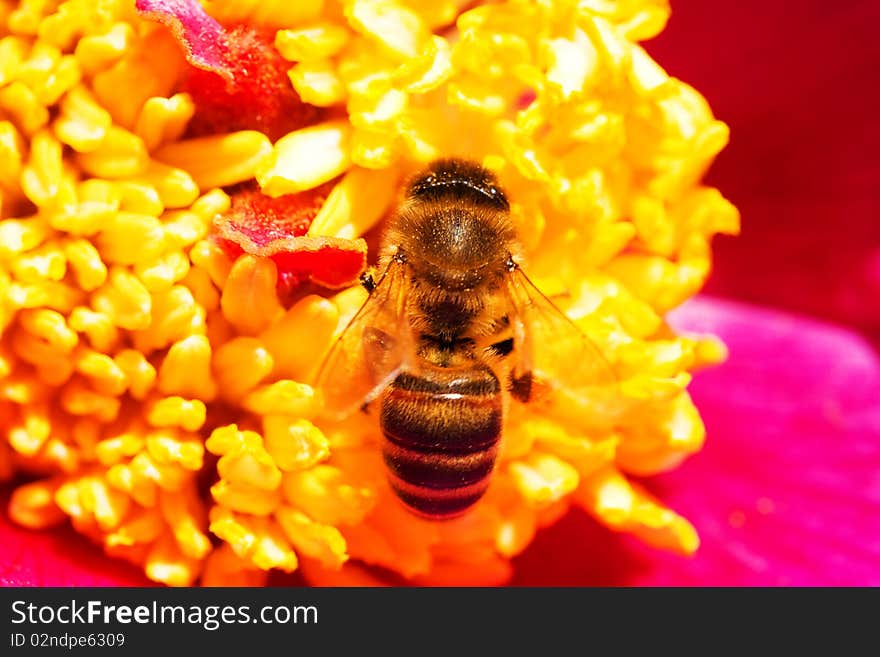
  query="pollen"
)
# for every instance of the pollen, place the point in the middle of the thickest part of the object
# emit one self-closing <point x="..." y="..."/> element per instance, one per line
<point x="188" y="194"/>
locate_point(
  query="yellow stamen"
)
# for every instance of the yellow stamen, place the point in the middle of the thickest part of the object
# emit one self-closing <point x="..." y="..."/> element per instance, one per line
<point x="306" y="158"/>
<point x="221" y="160"/>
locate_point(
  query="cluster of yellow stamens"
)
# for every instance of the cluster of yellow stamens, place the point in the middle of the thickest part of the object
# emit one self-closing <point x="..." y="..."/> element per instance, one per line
<point x="156" y="393"/>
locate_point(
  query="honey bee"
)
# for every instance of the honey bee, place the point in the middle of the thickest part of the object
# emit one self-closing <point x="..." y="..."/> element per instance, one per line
<point x="451" y="331"/>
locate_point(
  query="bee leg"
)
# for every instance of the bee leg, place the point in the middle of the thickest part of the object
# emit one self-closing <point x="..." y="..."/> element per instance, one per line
<point x="521" y="386"/>
<point x="368" y="280"/>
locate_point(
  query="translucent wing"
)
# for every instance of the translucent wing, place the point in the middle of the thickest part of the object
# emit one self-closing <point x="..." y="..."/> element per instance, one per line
<point x="550" y="348"/>
<point x="372" y="350"/>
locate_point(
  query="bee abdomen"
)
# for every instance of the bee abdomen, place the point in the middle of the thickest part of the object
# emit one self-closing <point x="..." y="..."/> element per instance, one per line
<point x="441" y="437"/>
<point x="438" y="503"/>
<point x="437" y="468"/>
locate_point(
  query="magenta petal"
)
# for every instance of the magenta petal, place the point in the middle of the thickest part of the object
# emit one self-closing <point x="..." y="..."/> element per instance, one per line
<point x="202" y="37"/>
<point x="787" y="488"/>
<point x="58" y="557"/>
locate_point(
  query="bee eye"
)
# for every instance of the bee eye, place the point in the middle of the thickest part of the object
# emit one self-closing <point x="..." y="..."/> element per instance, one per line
<point x="503" y="348"/>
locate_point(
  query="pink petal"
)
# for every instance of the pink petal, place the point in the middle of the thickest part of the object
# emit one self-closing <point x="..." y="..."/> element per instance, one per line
<point x="203" y="38"/>
<point x="798" y="88"/>
<point x="787" y="489"/>
<point x="58" y="557"/>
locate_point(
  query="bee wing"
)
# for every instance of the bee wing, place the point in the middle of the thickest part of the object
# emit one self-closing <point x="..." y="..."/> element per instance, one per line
<point x="372" y="350"/>
<point x="549" y="345"/>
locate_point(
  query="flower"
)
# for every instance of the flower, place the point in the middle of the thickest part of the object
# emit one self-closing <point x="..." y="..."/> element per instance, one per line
<point x="788" y="477"/>
<point x="785" y="491"/>
<point x="156" y="386"/>
<point x="799" y="165"/>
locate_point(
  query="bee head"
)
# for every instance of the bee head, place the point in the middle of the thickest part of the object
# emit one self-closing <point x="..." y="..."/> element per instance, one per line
<point x="459" y="180"/>
<point x="454" y="226"/>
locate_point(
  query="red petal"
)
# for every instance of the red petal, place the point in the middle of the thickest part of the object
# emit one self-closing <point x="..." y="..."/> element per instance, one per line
<point x="333" y="262"/>
<point x="276" y="228"/>
<point x="256" y="221"/>
<point x="202" y="38"/>
<point x="239" y="80"/>
<point x="260" y="96"/>
<point x="798" y="89"/>
<point x="786" y="491"/>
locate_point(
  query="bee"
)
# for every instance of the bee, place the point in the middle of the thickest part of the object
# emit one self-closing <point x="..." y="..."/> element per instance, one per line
<point x="451" y="331"/>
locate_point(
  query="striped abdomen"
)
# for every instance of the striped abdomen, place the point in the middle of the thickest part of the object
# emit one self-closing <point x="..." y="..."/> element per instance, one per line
<point x="441" y="436"/>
